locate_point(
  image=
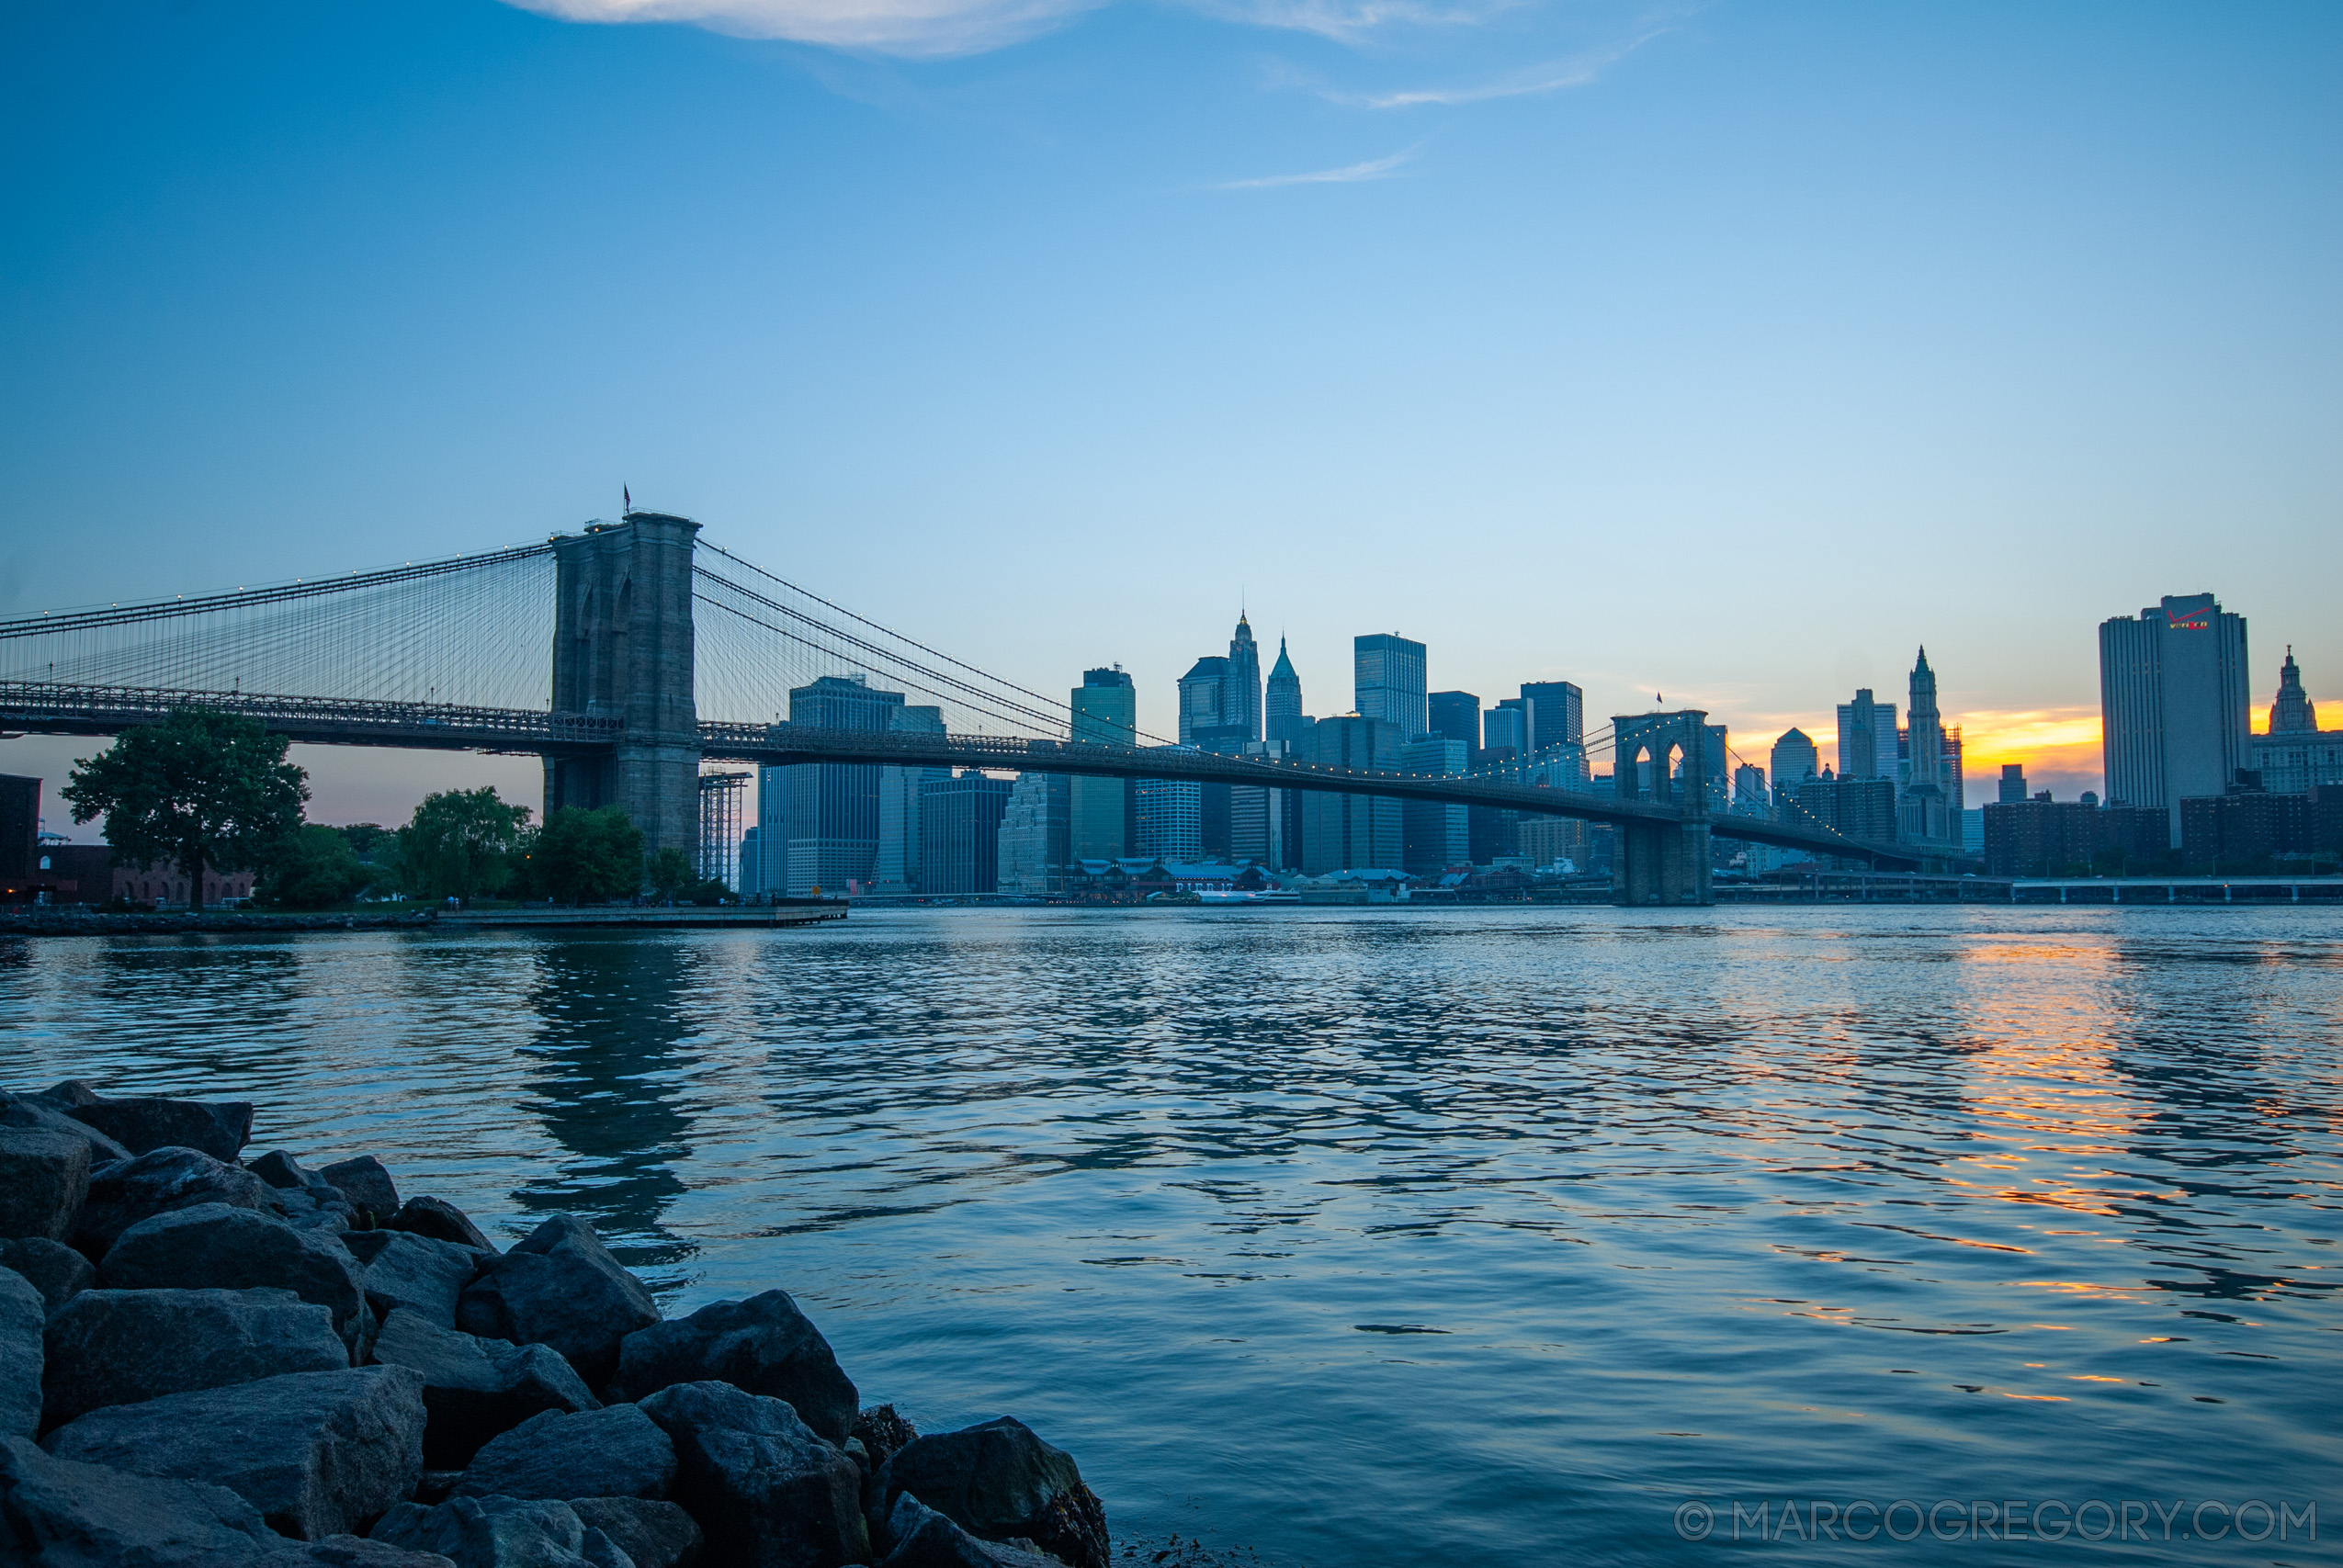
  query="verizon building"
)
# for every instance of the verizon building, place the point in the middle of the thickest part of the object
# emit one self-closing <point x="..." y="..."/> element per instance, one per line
<point x="2173" y="699"/>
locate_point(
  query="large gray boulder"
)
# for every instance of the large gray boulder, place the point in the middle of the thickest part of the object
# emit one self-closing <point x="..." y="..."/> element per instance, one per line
<point x="220" y="1128"/>
<point x="125" y="1192"/>
<point x="353" y="1551"/>
<point x="317" y="1453"/>
<point x="441" y="1221"/>
<point x="44" y="1180"/>
<point x="23" y="1110"/>
<point x="55" y="1270"/>
<point x="614" y="1452"/>
<point x="769" y="1492"/>
<point x="763" y="1345"/>
<point x="560" y="1287"/>
<point x="220" y="1247"/>
<point x="415" y="1272"/>
<point x="501" y="1532"/>
<point x="366" y="1184"/>
<point x="475" y="1389"/>
<point x="106" y="1348"/>
<point x="922" y="1538"/>
<point x="54" y="1511"/>
<point x="22" y="1313"/>
<point x="655" y="1534"/>
<point x="1000" y="1481"/>
<point x="303" y="1198"/>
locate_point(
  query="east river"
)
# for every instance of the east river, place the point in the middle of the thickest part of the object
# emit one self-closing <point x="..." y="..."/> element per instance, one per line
<point x="1377" y="1237"/>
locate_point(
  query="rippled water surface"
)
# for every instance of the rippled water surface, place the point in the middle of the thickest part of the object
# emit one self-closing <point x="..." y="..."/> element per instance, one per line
<point x="1369" y="1237"/>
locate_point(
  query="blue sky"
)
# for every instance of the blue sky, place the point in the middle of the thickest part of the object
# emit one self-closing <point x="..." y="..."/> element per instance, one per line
<point x="1727" y="351"/>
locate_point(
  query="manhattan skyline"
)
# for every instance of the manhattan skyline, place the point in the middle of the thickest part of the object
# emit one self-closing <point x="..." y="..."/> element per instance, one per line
<point x="1733" y="357"/>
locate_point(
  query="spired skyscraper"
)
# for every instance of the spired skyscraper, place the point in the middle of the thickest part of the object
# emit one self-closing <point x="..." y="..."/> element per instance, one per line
<point x="1929" y="809"/>
<point x="2296" y="755"/>
<point x="1283" y="718"/>
<point x="2173" y="703"/>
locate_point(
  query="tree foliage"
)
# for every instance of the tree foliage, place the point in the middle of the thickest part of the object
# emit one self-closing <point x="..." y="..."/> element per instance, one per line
<point x="582" y="857"/>
<point x="671" y="874"/>
<point x="311" y="868"/>
<point x="461" y="844"/>
<point x="201" y="789"/>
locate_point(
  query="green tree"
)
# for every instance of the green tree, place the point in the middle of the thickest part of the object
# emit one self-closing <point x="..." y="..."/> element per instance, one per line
<point x="201" y="789"/>
<point x="581" y="856"/>
<point x="461" y="844"/>
<point x="310" y="869"/>
<point x="671" y="874"/>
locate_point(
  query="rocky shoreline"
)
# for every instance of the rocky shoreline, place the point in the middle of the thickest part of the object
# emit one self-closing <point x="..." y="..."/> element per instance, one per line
<point x="220" y="1360"/>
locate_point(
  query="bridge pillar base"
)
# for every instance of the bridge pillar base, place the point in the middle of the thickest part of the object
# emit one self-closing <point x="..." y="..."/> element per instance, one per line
<point x="1661" y="864"/>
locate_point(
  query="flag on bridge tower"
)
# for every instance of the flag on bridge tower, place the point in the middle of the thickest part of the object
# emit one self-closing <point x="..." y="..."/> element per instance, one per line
<point x="626" y="500"/>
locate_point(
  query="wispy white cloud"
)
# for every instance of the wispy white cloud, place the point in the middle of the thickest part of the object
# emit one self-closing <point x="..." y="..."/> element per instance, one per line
<point x="1351" y="174"/>
<point x="1347" y="21"/>
<point x="1554" y="76"/>
<point x="914" y="29"/>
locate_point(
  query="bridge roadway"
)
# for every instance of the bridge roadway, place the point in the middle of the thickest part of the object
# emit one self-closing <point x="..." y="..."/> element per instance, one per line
<point x="57" y="709"/>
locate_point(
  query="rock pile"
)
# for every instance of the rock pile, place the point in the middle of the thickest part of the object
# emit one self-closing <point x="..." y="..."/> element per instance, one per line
<point x="212" y="1361"/>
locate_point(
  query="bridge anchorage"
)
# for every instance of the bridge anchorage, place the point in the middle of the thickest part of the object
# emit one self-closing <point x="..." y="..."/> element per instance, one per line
<point x="668" y="652"/>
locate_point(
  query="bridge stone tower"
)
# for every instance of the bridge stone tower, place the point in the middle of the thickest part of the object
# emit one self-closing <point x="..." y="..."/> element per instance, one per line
<point x="622" y="648"/>
<point x="1662" y="862"/>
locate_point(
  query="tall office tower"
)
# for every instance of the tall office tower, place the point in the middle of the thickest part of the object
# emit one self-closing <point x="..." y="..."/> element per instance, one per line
<point x="1457" y="716"/>
<point x="1748" y="791"/>
<point x="1507" y="724"/>
<point x="1794" y="757"/>
<point x="1241" y="689"/>
<point x="1200" y="692"/>
<point x="1351" y="833"/>
<point x="1106" y="710"/>
<point x="1866" y="739"/>
<point x="1387" y="682"/>
<point x="1433" y="837"/>
<point x="833" y="806"/>
<point x="773" y="829"/>
<point x="2173" y="701"/>
<point x="1282" y="707"/>
<point x="1170" y="819"/>
<point x="2013" y="783"/>
<point x="1557" y="712"/>
<point x="897" y="869"/>
<point x="1035" y="835"/>
<point x="960" y="833"/>
<point x="1928" y="811"/>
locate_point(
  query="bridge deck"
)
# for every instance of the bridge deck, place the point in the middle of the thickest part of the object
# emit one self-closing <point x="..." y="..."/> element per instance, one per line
<point x="56" y="709"/>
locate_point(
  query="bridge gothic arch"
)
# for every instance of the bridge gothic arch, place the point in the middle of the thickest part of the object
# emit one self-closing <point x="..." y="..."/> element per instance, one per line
<point x="1662" y="862"/>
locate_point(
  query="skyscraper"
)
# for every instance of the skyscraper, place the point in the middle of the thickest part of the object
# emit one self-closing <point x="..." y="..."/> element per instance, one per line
<point x="1170" y="819"/>
<point x="960" y="833"/>
<point x="1866" y="739"/>
<point x="1035" y="835"/>
<point x="1556" y="712"/>
<point x="2296" y="755"/>
<point x="1930" y="810"/>
<point x="1433" y="837"/>
<point x="1282" y="708"/>
<point x="1351" y="833"/>
<point x="1387" y="675"/>
<point x="1507" y="724"/>
<point x="1241" y="689"/>
<point x="1794" y="759"/>
<point x="897" y="869"/>
<point x="1455" y="716"/>
<point x="1106" y="711"/>
<point x="833" y="806"/>
<point x="1200" y="691"/>
<point x="2173" y="703"/>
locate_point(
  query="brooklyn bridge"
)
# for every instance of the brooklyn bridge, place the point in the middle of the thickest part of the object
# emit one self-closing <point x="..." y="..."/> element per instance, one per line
<point x="630" y="653"/>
